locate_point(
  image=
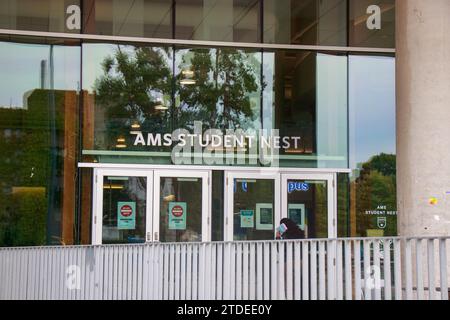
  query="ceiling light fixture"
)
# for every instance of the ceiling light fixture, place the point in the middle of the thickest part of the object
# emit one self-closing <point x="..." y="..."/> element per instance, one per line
<point x="188" y="73"/>
<point x="188" y="77"/>
<point x="135" y="126"/>
<point x="188" y="82"/>
<point x="160" y="107"/>
<point x="121" y="143"/>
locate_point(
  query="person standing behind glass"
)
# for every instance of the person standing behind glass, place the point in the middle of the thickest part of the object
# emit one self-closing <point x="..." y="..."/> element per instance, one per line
<point x="289" y="230"/>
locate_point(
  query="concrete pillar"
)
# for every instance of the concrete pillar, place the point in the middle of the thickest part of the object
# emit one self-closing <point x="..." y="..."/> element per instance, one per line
<point x="423" y="116"/>
<point x="423" y="124"/>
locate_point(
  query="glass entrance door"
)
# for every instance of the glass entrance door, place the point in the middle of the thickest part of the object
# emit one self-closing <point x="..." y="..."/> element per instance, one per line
<point x="136" y="206"/>
<point x="256" y="203"/>
<point x="182" y="206"/>
<point x="122" y="206"/>
<point x="308" y="200"/>
<point x="252" y="206"/>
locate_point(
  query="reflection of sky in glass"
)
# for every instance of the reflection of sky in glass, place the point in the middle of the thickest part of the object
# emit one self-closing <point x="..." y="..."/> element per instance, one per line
<point x="372" y="107"/>
<point x="20" y="66"/>
<point x="331" y="117"/>
<point x="268" y="115"/>
<point x="93" y="56"/>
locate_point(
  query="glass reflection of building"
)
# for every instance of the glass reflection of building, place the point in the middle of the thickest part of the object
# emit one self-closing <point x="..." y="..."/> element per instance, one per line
<point x="295" y="66"/>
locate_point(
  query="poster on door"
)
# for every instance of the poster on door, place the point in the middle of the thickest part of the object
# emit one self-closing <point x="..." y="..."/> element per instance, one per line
<point x="126" y="215"/>
<point x="264" y="216"/>
<point x="177" y="215"/>
<point x="247" y="219"/>
<point x="297" y="213"/>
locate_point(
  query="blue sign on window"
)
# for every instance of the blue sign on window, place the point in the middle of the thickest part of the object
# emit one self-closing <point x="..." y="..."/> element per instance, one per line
<point x="244" y="186"/>
<point x="297" y="186"/>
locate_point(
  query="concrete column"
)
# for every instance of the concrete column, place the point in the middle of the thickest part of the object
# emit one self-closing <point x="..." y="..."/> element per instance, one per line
<point x="423" y="116"/>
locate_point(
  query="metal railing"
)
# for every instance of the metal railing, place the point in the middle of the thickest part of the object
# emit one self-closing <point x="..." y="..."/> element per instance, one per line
<point x="342" y="269"/>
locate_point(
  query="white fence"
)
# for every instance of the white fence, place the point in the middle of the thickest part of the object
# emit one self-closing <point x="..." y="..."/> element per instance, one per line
<point x="350" y="269"/>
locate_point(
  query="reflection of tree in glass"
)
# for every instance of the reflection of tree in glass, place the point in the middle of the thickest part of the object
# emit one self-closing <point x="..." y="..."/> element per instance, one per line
<point x="376" y="186"/>
<point x="134" y="84"/>
<point x="224" y="81"/>
<point x="320" y="211"/>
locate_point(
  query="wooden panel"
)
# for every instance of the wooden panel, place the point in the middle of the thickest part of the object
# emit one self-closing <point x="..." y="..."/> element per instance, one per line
<point x="69" y="166"/>
<point x="86" y="175"/>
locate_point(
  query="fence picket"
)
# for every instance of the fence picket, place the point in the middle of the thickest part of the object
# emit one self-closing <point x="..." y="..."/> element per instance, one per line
<point x="308" y="269"/>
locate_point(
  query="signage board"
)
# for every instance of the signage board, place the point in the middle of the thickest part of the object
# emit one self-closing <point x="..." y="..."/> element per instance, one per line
<point x="297" y="213"/>
<point x="177" y="215"/>
<point x="247" y="219"/>
<point x="126" y="215"/>
<point x="264" y="216"/>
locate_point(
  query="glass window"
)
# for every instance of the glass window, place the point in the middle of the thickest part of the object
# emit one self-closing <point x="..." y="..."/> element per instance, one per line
<point x="306" y="22"/>
<point x="219" y="86"/>
<point x="373" y="206"/>
<point x="127" y="90"/>
<point x="253" y="209"/>
<point x="180" y="209"/>
<point x="38" y="142"/>
<point x="305" y="96"/>
<point x="85" y="210"/>
<point x="218" y="89"/>
<point x="124" y="209"/>
<point x="343" y="202"/>
<point x="42" y="15"/>
<point x="138" y="18"/>
<point x="232" y="20"/>
<point x="308" y="207"/>
<point x="136" y="95"/>
<point x="372" y="23"/>
<point x="217" y="203"/>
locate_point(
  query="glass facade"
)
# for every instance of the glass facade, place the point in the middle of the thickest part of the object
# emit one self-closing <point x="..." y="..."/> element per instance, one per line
<point x="306" y="22"/>
<point x="41" y="15"/>
<point x="132" y="104"/>
<point x="372" y="23"/>
<point x="141" y="18"/>
<point x="39" y="103"/>
<point x="355" y="23"/>
<point x="236" y="20"/>
<point x="373" y="145"/>
<point x="160" y="89"/>
<point x="126" y="88"/>
<point x="305" y="95"/>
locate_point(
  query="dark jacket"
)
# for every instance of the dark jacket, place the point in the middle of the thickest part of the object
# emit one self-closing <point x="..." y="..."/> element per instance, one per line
<point x="293" y="231"/>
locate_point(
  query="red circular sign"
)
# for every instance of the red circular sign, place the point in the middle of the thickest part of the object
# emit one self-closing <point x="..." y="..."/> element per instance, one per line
<point x="126" y="211"/>
<point x="177" y="211"/>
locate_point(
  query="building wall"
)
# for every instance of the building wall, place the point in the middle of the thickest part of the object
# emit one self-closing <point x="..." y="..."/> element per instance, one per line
<point x="341" y="101"/>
